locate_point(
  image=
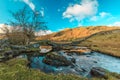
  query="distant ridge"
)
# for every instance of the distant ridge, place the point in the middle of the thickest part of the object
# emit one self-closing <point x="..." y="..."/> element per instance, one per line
<point x="75" y="33"/>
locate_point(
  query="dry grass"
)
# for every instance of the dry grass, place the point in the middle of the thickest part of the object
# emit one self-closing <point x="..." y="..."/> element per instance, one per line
<point x="107" y="43"/>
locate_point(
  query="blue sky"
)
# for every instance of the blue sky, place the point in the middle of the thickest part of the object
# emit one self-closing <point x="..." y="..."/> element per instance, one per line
<point x="62" y="14"/>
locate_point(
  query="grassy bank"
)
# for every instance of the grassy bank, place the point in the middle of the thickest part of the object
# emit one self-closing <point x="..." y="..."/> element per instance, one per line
<point x="16" y="69"/>
<point x="107" y="42"/>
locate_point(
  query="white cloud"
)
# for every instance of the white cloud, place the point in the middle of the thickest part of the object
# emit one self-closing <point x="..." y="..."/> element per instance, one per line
<point x="104" y="14"/>
<point x="115" y="24"/>
<point x="94" y="18"/>
<point x="10" y="28"/>
<point x="42" y="12"/>
<point x="41" y="32"/>
<point x="30" y="4"/>
<point x="2" y="26"/>
<point x="85" y="9"/>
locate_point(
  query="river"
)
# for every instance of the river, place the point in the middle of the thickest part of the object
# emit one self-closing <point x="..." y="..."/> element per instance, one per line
<point x="83" y="64"/>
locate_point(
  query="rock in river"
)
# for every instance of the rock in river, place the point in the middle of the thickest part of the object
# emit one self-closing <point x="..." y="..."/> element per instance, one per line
<point x="45" y="49"/>
<point x="98" y="72"/>
<point x="56" y="59"/>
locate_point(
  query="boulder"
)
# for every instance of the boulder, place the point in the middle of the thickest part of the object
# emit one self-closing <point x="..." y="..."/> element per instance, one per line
<point x="11" y="53"/>
<point x="45" y="49"/>
<point x="98" y="72"/>
<point x="8" y="53"/>
<point x="56" y="59"/>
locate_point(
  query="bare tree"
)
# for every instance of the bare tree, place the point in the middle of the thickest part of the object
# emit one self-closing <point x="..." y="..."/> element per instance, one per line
<point x="28" y="22"/>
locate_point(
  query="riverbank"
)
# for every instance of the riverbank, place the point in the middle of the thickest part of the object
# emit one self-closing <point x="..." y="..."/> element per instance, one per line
<point x="103" y="47"/>
<point x="106" y="42"/>
<point x="16" y="69"/>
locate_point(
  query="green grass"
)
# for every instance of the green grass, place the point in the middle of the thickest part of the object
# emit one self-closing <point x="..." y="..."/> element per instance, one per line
<point x="16" y="69"/>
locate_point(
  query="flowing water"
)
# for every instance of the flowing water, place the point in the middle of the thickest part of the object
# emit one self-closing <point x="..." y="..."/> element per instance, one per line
<point x="83" y="64"/>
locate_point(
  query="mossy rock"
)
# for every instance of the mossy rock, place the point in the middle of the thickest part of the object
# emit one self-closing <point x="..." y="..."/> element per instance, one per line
<point x="56" y="59"/>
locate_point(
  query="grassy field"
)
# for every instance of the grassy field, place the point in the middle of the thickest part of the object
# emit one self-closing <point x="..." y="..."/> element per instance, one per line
<point x="105" y="42"/>
<point x="16" y="69"/>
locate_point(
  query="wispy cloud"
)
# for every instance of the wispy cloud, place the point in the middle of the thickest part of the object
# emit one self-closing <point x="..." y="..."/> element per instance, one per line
<point x="85" y="9"/>
<point x="104" y="14"/>
<point x="30" y="4"/>
<point x="117" y="23"/>
<point x="42" y="12"/>
<point x="94" y="18"/>
<point x="43" y="32"/>
<point x="100" y="16"/>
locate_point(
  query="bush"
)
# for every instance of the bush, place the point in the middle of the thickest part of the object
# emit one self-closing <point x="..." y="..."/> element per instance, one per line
<point x="17" y="38"/>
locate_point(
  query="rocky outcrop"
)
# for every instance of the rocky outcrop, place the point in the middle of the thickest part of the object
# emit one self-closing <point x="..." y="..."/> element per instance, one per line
<point x="77" y="50"/>
<point x="98" y="72"/>
<point x="57" y="60"/>
<point x="45" y="49"/>
<point x="9" y="55"/>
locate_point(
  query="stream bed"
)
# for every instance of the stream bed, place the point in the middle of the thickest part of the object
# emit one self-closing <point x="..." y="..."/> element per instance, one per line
<point x="83" y="65"/>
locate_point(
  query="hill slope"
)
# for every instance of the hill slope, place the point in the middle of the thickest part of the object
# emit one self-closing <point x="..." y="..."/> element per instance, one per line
<point x="106" y="42"/>
<point x="74" y="34"/>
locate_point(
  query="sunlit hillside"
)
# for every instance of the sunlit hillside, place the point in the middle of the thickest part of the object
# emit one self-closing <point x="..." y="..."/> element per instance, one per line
<point x="75" y="33"/>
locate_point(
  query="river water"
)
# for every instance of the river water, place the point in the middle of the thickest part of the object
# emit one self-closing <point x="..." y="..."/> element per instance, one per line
<point x="83" y="65"/>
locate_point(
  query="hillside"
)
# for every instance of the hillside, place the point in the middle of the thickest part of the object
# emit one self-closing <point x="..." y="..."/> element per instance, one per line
<point x="107" y="42"/>
<point x="75" y="33"/>
<point x="102" y="39"/>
